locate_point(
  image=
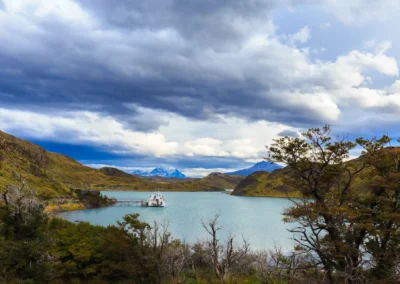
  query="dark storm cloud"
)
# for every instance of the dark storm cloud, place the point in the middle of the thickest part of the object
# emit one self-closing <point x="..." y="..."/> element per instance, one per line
<point x="289" y="133"/>
<point x="39" y="90"/>
<point x="155" y="54"/>
<point x="206" y="22"/>
<point x="180" y="162"/>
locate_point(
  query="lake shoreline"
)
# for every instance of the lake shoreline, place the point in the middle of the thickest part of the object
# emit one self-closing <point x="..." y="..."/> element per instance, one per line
<point x="184" y="211"/>
<point x="194" y="191"/>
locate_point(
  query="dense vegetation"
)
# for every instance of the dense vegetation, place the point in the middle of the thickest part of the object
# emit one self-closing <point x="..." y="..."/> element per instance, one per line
<point x="349" y="218"/>
<point x="83" y="199"/>
<point x="94" y="199"/>
<point x="35" y="248"/>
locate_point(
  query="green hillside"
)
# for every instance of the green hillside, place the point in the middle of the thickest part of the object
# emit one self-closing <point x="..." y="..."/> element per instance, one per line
<point x="265" y="184"/>
<point x="53" y="175"/>
<point x="114" y="172"/>
<point x="222" y="180"/>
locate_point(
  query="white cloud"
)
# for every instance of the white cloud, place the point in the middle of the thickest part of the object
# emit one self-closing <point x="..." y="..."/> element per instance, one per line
<point x="86" y="127"/>
<point x="357" y="61"/>
<point x="301" y="36"/>
<point x="370" y="98"/>
<point x="205" y="147"/>
<point x="394" y="88"/>
<point x="321" y="103"/>
<point x="65" y="10"/>
<point x="194" y="138"/>
<point x="225" y="137"/>
<point x="362" y="12"/>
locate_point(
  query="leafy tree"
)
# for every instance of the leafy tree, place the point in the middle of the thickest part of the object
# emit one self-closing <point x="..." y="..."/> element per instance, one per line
<point x="24" y="236"/>
<point x="327" y="216"/>
<point x="381" y="205"/>
<point x="349" y="215"/>
<point x="92" y="252"/>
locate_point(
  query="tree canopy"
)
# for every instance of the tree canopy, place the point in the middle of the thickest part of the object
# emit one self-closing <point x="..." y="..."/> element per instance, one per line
<point x="349" y="216"/>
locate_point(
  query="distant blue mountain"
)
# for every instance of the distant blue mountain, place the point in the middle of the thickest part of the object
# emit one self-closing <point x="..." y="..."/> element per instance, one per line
<point x="261" y="166"/>
<point x="140" y="173"/>
<point x="160" y="172"/>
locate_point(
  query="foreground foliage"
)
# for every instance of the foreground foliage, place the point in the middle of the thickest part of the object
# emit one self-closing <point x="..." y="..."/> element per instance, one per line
<point x="349" y="217"/>
<point x="37" y="248"/>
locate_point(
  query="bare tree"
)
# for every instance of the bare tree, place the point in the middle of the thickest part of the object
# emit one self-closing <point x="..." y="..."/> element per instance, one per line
<point x="171" y="256"/>
<point x="175" y="259"/>
<point x="158" y="237"/>
<point x="276" y="264"/>
<point x="228" y="258"/>
<point x="212" y="228"/>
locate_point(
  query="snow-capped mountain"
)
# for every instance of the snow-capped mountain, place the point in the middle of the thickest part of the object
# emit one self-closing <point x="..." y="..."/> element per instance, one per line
<point x="160" y="172"/>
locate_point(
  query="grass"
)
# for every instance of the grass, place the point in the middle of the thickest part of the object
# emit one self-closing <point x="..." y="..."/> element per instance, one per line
<point x="64" y="207"/>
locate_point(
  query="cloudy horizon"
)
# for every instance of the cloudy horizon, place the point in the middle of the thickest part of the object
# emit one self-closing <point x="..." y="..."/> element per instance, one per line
<point x="201" y="86"/>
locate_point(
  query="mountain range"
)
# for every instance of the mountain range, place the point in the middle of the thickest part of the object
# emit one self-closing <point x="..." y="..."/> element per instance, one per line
<point x="175" y="173"/>
<point x="160" y="172"/>
<point x="261" y="166"/>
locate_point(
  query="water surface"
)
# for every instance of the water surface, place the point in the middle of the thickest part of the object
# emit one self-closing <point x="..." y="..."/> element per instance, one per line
<point x="256" y="218"/>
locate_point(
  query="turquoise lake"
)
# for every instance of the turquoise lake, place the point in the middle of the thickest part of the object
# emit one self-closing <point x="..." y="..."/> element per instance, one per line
<point x="258" y="219"/>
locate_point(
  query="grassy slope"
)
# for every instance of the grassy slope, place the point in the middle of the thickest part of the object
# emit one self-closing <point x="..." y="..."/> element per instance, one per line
<point x="109" y="171"/>
<point x="223" y="181"/>
<point x="29" y="161"/>
<point x="265" y="184"/>
<point x="54" y="174"/>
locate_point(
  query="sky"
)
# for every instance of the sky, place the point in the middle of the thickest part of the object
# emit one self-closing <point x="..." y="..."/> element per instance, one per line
<point x="201" y="86"/>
